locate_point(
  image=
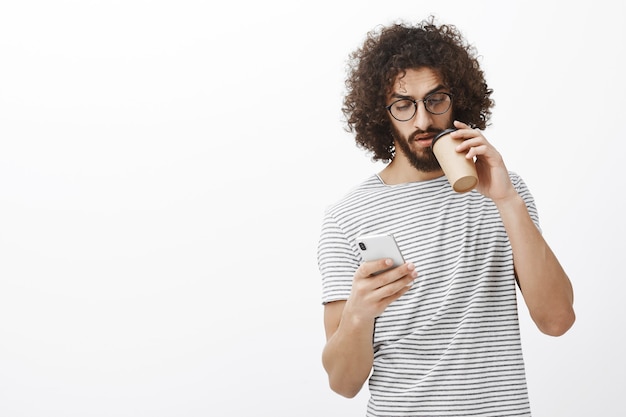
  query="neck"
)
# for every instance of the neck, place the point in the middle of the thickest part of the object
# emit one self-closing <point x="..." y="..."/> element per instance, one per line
<point x="400" y="171"/>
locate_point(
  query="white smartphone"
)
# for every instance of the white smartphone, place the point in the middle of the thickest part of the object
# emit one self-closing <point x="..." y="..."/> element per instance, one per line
<point x="375" y="247"/>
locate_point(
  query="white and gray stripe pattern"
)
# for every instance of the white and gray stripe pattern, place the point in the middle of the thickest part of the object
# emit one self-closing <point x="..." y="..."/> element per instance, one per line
<point x="451" y="345"/>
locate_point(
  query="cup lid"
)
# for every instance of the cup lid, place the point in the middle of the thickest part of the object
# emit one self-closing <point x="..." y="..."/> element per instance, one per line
<point x="440" y="134"/>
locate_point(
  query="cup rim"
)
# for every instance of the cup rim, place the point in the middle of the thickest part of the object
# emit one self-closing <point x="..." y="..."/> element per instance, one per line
<point x="442" y="133"/>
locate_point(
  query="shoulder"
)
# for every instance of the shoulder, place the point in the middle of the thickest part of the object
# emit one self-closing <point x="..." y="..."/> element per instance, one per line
<point x="524" y="192"/>
<point x="356" y="194"/>
<point x="520" y="185"/>
<point x="516" y="179"/>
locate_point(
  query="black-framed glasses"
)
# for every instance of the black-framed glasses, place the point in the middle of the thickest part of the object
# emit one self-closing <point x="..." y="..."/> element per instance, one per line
<point x="404" y="109"/>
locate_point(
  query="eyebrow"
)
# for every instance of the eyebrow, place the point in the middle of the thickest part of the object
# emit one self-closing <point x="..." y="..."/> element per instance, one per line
<point x="434" y="90"/>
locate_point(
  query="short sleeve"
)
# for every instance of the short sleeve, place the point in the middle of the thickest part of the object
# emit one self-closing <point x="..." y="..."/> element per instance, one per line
<point x="524" y="192"/>
<point x="337" y="261"/>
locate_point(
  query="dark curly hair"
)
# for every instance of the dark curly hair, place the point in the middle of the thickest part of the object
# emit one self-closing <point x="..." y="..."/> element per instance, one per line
<point x="388" y="52"/>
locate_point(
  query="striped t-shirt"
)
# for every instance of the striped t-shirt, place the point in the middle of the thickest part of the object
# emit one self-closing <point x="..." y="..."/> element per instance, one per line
<point x="451" y="345"/>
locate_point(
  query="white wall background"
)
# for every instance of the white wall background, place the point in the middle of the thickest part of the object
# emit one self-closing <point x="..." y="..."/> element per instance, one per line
<point x="160" y="198"/>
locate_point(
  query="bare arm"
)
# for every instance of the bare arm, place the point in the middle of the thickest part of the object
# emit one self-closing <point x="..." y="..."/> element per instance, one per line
<point x="349" y="355"/>
<point x="545" y="286"/>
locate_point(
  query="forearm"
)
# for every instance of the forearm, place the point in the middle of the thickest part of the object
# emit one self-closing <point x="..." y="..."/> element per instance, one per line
<point x="544" y="284"/>
<point x="348" y="356"/>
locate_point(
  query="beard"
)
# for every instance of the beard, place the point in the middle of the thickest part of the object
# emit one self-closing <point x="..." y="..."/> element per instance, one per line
<point x="425" y="160"/>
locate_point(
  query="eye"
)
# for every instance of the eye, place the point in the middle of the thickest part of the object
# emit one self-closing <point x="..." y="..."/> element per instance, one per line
<point x="403" y="105"/>
<point x="436" y="99"/>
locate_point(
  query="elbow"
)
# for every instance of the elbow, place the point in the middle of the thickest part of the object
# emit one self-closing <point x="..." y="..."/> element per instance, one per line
<point x="558" y="324"/>
<point x="347" y="393"/>
<point x="344" y="389"/>
<point x="345" y="381"/>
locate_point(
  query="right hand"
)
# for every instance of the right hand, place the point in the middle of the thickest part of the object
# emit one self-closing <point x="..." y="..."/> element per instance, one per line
<point x="371" y="294"/>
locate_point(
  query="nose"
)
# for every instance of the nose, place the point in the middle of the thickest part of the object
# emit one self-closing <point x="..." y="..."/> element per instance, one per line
<point x="422" y="119"/>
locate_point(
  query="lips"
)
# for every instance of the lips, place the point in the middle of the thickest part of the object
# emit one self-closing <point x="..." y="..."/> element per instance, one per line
<point x="423" y="139"/>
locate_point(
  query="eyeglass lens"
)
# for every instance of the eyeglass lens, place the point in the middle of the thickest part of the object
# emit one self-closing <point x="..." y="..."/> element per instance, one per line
<point x="437" y="103"/>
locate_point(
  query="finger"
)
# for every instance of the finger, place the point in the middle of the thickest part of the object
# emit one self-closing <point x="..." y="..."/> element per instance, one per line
<point x="396" y="288"/>
<point x="462" y="125"/>
<point x="397" y="278"/>
<point x="368" y="269"/>
<point x="474" y="151"/>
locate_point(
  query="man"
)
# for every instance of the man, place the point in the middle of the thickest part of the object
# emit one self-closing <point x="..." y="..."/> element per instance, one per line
<point x="438" y="335"/>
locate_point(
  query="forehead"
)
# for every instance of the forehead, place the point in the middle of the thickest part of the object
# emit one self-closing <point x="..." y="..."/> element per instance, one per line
<point x="416" y="82"/>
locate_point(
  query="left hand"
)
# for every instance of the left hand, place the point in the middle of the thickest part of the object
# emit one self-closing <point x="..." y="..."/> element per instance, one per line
<point x="493" y="176"/>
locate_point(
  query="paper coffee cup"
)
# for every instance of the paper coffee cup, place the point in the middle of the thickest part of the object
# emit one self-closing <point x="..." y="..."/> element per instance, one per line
<point x="460" y="171"/>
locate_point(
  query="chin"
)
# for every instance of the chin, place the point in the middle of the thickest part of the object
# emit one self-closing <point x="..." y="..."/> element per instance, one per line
<point x="425" y="163"/>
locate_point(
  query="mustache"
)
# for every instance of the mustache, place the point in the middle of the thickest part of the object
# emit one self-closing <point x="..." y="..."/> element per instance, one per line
<point x="421" y="132"/>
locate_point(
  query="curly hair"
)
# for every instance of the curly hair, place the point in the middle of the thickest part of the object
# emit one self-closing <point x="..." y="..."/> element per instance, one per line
<point x="388" y="52"/>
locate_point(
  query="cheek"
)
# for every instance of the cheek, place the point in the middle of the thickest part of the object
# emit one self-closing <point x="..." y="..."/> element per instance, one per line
<point x="401" y="130"/>
<point x="444" y="121"/>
